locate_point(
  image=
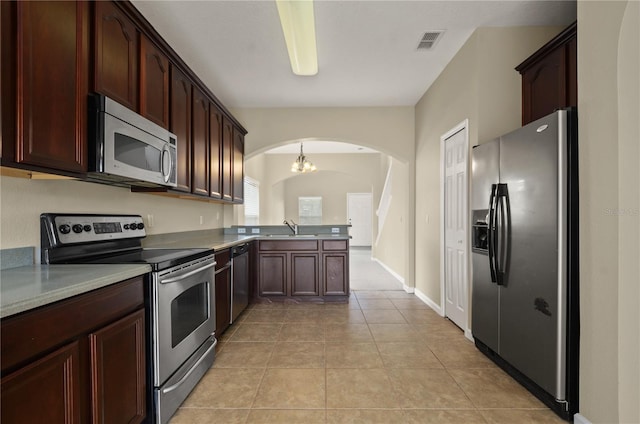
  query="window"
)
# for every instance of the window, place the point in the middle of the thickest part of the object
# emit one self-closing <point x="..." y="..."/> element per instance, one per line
<point x="251" y="201"/>
<point x="310" y="210"/>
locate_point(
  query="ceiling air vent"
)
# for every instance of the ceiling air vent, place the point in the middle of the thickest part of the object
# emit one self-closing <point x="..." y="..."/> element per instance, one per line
<point x="429" y="39"/>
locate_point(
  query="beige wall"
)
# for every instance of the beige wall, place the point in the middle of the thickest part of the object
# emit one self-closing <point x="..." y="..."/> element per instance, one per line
<point x="389" y="246"/>
<point x="629" y="224"/>
<point x="386" y="129"/>
<point x="23" y="200"/>
<point x="608" y="100"/>
<point x="331" y="186"/>
<point x="480" y="85"/>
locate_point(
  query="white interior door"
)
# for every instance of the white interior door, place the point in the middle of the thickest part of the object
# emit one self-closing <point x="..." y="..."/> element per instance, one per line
<point x="455" y="226"/>
<point x="359" y="210"/>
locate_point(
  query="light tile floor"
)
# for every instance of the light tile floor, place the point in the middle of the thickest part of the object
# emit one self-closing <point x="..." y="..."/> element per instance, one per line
<point x="384" y="357"/>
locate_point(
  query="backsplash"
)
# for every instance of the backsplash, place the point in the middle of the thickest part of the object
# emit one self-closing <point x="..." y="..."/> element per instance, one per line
<point x="17" y="257"/>
<point x="23" y="200"/>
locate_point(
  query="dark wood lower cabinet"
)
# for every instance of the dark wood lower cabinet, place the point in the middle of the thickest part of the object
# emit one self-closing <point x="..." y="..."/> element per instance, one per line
<point x="223" y="291"/>
<point x="117" y="371"/>
<point x="82" y="359"/>
<point x="335" y="278"/>
<point x="272" y="274"/>
<point x="305" y="269"/>
<point x="305" y="274"/>
<point x="45" y="391"/>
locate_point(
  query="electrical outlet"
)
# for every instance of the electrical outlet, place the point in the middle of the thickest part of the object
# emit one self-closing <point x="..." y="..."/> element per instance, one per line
<point x="255" y="231"/>
<point x="150" y="221"/>
<point x="217" y="216"/>
<point x="242" y="231"/>
<point x="201" y="220"/>
<point x="335" y="230"/>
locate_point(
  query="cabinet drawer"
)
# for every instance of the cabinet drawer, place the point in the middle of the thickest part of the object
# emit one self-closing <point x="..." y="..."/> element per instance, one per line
<point x="287" y="245"/>
<point x="334" y="245"/>
<point x="54" y="324"/>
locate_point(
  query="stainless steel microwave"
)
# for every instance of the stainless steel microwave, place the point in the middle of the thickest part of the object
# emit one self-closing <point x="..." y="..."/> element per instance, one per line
<point x="127" y="149"/>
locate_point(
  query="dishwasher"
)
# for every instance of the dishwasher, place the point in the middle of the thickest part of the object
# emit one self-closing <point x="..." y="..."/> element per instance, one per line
<point x="239" y="280"/>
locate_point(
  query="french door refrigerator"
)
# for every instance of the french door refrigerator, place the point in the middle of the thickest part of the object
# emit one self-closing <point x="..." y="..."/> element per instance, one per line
<point x="524" y="201"/>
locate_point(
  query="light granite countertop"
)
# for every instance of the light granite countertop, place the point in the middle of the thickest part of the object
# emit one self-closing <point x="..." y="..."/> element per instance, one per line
<point x="218" y="242"/>
<point x="28" y="287"/>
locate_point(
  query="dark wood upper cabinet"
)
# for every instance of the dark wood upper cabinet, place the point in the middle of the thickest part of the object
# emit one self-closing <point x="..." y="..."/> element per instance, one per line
<point x="181" y="126"/>
<point x="154" y="83"/>
<point x="238" y="166"/>
<point x="549" y="77"/>
<point x="227" y="160"/>
<point x="52" y="84"/>
<point x="116" y="54"/>
<point x="200" y="143"/>
<point x="215" y="152"/>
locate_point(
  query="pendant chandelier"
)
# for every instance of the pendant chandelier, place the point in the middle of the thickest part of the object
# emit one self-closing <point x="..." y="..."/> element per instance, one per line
<point x="301" y="164"/>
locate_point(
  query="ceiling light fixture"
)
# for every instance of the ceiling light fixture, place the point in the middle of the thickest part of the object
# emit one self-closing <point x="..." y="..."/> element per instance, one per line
<point x="301" y="164"/>
<point x="298" y="26"/>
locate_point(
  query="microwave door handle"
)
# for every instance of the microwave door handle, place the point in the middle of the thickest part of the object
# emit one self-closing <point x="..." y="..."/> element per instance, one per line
<point x="166" y="173"/>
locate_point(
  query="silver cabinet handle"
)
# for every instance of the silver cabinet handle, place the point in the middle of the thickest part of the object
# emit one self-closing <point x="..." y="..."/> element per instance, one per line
<point x="188" y="274"/>
<point x="191" y="370"/>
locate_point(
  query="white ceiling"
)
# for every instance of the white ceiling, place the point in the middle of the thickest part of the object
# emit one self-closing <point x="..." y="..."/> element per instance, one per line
<point x="366" y="49"/>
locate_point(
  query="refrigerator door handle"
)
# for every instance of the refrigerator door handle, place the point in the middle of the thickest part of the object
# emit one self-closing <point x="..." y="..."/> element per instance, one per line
<point x="491" y="233"/>
<point x="502" y="234"/>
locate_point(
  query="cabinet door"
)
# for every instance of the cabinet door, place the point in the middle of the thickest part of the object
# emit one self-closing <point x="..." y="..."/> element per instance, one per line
<point x="335" y="276"/>
<point x="116" y="55"/>
<point x="272" y="274"/>
<point x="52" y="84"/>
<point x="200" y="143"/>
<point x="118" y="384"/>
<point x="181" y="126"/>
<point x="215" y="152"/>
<point x="238" y="166"/>
<point x="544" y="86"/>
<point x="227" y="158"/>
<point x="305" y="280"/>
<point x="154" y="83"/>
<point x="223" y="292"/>
<point x="46" y="391"/>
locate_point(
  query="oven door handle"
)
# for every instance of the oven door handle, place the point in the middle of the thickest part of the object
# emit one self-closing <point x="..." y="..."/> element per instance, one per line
<point x="188" y="274"/>
<point x="202" y="358"/>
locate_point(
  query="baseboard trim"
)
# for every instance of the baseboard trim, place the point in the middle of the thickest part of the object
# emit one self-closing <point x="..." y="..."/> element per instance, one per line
<point x="468" y="334"/>
<point x="580" y="419"/>
<point x="390" y="271"/>
<point x="430" y="303"/>
<point x="408" y="289"/>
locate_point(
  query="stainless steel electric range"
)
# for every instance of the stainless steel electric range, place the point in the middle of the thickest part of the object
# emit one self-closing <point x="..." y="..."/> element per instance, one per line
<point x="180" y="292"/>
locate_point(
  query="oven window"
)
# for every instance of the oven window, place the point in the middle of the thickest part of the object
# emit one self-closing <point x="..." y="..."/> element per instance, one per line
<point x="188" y="312"/>
<point x="136" y="153"/>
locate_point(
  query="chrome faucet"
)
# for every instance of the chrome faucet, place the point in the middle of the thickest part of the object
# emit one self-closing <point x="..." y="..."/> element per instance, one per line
<point x="293" y="228"/>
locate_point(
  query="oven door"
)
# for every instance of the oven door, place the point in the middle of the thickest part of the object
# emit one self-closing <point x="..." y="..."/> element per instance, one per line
<point x="183" y="314"/>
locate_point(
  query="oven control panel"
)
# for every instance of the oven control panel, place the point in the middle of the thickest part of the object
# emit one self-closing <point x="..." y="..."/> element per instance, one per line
<point x="74" y="228"/>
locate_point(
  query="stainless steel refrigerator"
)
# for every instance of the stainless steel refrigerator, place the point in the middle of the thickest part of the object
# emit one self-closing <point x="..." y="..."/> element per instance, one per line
<point x="524" y="201"/>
